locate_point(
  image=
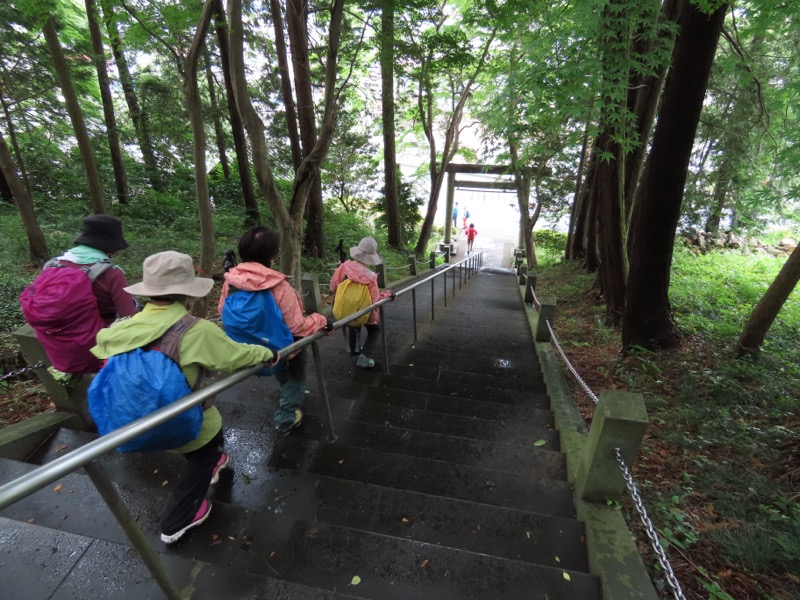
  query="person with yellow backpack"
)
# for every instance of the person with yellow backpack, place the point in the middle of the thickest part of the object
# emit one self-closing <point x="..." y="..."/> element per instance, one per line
<point x="355" y="287"/>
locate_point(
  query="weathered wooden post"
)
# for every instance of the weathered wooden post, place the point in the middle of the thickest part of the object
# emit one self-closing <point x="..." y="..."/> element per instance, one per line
<point x="530" y="287"/>
<point x="433" y="260"/>
<point x="412" y="264"/>
<point x="522" y="273"/>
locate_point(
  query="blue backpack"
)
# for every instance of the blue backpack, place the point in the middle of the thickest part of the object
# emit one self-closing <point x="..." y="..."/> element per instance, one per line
<point x="254" y="318"/>
<point x="138" y="382"/>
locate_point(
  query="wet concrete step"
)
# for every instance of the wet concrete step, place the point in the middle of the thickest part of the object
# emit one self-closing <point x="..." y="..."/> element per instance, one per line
<point x="318" y="555"/>
<point x="427" y="369"/>
<point x="501" y="365"/>
<point x="532" y="412"/>
<point x="458" y="389"/>
<point x="498" y="431"/>
<point x="80" y="567"/>
<point x="251" y="483"/>
<point x="438" y="478"/>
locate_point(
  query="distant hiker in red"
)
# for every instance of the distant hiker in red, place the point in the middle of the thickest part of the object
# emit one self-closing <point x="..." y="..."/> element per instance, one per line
<point x="471" y="233"/>
<point x="77" y="294"/>
<point x="358" y="271"/>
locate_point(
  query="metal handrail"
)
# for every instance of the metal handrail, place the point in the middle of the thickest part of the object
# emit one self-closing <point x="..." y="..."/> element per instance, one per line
<point x="29" y="483"/>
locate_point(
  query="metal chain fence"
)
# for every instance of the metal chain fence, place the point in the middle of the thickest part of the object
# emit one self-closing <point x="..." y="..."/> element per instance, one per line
<point x="655" y="543"/>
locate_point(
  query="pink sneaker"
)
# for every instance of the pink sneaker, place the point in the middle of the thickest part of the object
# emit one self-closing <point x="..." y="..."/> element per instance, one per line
<point x="200" y="516"/>
<point x="221" y="464"/>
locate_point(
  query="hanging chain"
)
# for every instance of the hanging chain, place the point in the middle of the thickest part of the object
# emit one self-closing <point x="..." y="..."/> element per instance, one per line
<point x="21" y="371"/>
<point x="572" y="370"/>
<point x="648" y="526"/>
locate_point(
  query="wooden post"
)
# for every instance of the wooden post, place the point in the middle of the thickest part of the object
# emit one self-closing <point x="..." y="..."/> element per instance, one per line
<point x="447" y="254"/>
<point x="547" y="312"/>
<point x="522" y="273"/>
<point x="412" y="264"/>
<point x="620" y="421"/>
<point x="433" y="260"/>
<point x="309" y="285"/>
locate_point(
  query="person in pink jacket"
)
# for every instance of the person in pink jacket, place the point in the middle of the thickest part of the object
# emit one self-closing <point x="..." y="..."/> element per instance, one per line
<point x="258" y="246"/>
<point x="358" y="270"/>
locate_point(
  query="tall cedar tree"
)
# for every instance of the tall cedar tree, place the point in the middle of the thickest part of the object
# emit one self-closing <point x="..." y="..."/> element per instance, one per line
<point x="647" y="319"/>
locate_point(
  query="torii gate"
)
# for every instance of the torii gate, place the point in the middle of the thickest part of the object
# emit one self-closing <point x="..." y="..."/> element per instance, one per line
<point x="452" y="183"/>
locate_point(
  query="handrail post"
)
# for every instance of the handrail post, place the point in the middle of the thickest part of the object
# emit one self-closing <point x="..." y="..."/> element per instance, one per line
<point x="444" y="283"/>
<point x="620" y="421"/>
<point x="323" y="392"/>
<point x="547" y="311"/>
<point x="384" y="342"/>
<point x="414" y="310"/>
<point x="110" y="495"/>
<point x="433" y="303"/>
<point x="412" y="264"/>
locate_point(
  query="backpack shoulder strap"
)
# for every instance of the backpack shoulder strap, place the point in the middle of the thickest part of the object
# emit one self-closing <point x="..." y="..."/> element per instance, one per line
<point x="98" y="269"/>
<point x="170" y="342"/>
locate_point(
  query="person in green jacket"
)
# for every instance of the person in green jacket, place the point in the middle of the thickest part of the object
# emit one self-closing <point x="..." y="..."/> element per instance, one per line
<point x="169" y="284"/>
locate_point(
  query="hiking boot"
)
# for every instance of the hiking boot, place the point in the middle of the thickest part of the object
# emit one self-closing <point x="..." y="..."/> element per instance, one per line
<point x="287" y="428"/>
<point x="364" y="362"/>
<point x="221" y="464"/>
<point x="200" y="516"/>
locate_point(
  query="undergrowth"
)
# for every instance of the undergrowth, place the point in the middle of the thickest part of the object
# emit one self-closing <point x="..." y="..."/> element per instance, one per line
<point x="720" y="465"/>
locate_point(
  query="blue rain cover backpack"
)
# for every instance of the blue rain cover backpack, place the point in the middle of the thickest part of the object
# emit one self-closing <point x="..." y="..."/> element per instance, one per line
<point x="138" y="382"/>
<point x="254" y="318"/>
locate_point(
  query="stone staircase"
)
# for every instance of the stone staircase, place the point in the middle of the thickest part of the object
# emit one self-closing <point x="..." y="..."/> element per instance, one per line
<point x="444" y="482"/>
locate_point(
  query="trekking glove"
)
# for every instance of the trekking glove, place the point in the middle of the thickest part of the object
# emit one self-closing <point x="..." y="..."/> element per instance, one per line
<point x="329" y="325"/>
<point x="392" y="295"/>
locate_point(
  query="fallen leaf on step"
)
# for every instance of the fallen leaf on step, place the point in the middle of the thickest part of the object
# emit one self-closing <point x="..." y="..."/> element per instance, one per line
<point x="538" y="443"/>
<point x="61" y="447"/>
<point x="355" y="580"/>
<point x="58" y="487"/>
<point x="165" y="483"/>
<point x="424" y="564"/>
<point x="405" y="520"/>
<point x="566" y="576"/>
<point x="214" y="537"/>
<point x="341" y="461"/>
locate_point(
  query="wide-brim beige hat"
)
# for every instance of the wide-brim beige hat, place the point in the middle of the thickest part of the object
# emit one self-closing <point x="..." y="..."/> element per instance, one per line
<point x="366" y="252"/>
<point x="170" y="273"/>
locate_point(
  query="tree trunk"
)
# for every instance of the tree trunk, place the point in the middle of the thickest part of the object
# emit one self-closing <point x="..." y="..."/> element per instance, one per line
<point x="120" y="179"/>
<point x="195" y="110"/>
<point x="579" y="222"/>
<point x="609" y="208"/>
<point x="297" y="26"/>
<point x="757" y="326"/>
<point x="286" y="84"/>
<point x="76" y="116"/>
<point x="36" y="241"/>
<point x="12" y="134"/>
<point x="289" y="220"/>
<point x="219" y="131"/>
<point x="573" y="248"/>
<point x="252" y="215"/>
<point x="647" y="320"/>
<point x="436" y="169"/>
<point x="138" y="117"/>
<point x="395" y="230"/>
<point x="644" y="96"/>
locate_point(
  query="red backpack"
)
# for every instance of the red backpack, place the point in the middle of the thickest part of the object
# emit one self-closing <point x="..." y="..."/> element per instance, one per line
<point x="61" y="307"/>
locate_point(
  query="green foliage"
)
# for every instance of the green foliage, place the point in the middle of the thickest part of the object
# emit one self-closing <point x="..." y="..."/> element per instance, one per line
<point x="409" y="206"/>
